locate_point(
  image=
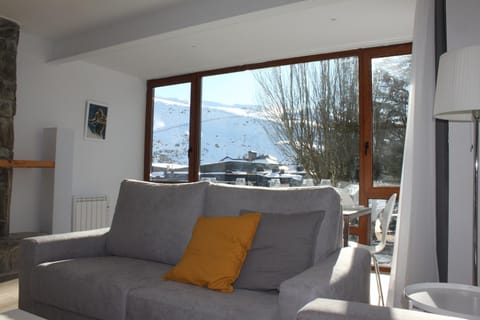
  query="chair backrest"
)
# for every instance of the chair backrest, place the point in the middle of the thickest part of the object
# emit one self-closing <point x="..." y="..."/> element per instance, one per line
<point x="385" y="218"/>
<point x="375" y="210"/>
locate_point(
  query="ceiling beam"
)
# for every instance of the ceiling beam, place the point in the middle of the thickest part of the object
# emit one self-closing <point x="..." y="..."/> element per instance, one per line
<point x="184" y="15"/>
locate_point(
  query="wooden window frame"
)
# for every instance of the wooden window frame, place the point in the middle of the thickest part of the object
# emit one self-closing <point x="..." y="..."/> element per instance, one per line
<point x="367" y="189"/>
<point x="364" y="55"/>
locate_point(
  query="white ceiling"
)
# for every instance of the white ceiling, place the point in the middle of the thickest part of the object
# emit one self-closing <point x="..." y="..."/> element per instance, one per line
<point x="158" y="38"/>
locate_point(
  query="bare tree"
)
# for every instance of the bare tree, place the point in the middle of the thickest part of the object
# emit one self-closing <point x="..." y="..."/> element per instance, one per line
<point x="312" y="110"/>
<point x="390" y="92"/>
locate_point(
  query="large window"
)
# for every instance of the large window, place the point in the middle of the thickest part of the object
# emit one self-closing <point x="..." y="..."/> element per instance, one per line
<point x="334" y="119"/>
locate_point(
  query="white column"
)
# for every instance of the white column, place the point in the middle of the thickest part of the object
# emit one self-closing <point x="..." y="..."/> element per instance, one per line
<point x="56" y="215"/>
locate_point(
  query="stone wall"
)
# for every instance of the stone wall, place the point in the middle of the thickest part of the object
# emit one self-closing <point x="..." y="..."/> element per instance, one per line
<point x="9" y="33"/>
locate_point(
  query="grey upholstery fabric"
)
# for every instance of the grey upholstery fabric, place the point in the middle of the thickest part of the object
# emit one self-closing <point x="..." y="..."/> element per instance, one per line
<point x="230" y="200"/>
<point x="343" y="275"/>
<point x="173" y="300"/>
<point x="283" y="246"/>
<point x="36" y="250"/>
<point x="329" y="309"/>
<point x="53" y="313"/>
<point x="96" y="287"/>
<point x="73" y="276"/>
<point x="155" y="221"/>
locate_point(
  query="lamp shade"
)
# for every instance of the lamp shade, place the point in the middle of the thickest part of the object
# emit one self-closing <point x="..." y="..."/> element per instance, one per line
<point x="458" y="84"/>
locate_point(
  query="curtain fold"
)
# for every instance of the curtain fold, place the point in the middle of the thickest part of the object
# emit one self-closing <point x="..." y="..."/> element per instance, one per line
<point x="414" y="255"/>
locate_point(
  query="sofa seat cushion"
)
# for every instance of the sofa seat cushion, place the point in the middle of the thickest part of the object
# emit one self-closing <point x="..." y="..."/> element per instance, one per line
<point x="155" y="221"/>
<point x="175" y="300"/>
<point x="95" y="287"/>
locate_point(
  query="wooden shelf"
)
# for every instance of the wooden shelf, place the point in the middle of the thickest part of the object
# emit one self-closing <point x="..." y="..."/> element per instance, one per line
<point x="26" y="164"/>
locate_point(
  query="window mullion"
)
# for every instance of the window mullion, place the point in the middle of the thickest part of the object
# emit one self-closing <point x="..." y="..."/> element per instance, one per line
<point x="195" y="129"/>
<point x="365" y="116"/>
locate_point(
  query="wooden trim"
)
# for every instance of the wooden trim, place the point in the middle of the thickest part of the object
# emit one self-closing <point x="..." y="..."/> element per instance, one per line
<point x="195" y="129"/>
<point x="365" y="140"/>
<point x="381" y="268"/>
<point x="365" y="119"/>
<point x="147" y="158"/>
<point x="26" y="164"/>
<point x="367" y="190"/>
<point x="379" y="51"/>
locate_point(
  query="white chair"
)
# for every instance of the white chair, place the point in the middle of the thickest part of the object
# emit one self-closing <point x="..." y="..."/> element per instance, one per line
<point x="374" y="207"/>
<point x="385" y="217"/>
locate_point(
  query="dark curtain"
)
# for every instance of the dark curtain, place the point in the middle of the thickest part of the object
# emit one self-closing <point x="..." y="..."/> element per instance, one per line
<point x="441" y="152"/>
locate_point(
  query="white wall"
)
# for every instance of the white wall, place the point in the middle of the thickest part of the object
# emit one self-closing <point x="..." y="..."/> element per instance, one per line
<point x="54" y="95"/>
<point x="463" y="29"/>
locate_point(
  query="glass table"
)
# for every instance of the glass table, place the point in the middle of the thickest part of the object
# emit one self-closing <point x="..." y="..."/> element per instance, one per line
<point x="451" y="299"/>
<point x="349" y="213"/>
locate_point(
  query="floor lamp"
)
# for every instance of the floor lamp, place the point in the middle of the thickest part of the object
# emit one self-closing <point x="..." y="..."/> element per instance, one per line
<point x="457" y="98"/>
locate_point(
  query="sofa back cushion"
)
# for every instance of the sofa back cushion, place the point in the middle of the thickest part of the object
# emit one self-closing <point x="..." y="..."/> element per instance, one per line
<point x="231" y="199"/>
<point x="283" y="247"/>
<point x="155" y="221"/>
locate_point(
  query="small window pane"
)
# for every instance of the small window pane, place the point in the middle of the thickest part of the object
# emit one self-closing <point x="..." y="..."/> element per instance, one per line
<point x="390" y="90"/>
<point x="170" y="134"/>
<point x="235" y="147"/>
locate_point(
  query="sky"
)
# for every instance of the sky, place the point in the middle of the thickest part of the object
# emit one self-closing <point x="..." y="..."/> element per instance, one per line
<point x="229" y="89"/>
<point x="242" y="88"/>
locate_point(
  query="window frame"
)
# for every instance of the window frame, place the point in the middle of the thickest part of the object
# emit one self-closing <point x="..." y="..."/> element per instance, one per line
<point x="366" y="188"/>
<point x="364" y="55"/>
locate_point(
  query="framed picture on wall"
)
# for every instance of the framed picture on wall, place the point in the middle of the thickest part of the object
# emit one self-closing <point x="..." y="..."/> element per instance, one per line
<point x="96" y="120"/>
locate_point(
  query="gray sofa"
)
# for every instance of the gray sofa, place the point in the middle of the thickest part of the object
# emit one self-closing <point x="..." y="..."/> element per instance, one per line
<point x="116" y="273"/>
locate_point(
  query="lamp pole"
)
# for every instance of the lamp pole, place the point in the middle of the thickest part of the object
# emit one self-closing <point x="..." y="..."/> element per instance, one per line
<point x="476" y="116"/>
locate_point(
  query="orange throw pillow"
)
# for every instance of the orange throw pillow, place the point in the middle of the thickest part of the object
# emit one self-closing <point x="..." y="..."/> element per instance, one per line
<point x="216" y="252"/>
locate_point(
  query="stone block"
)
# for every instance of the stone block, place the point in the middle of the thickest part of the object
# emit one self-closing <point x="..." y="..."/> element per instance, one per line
<point x="5" y="197"/>
<point x="8" y="29"/>
<point x="6" y="154"/>
<point x="6" y="132"/>
<point x="7" y="109"/>
<point x="9" y="33"/>
<point x="9" y="251"/>
<point x="8" y="66"/>
<point x="8" y="90"/>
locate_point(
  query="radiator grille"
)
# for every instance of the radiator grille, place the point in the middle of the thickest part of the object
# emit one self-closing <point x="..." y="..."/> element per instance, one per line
<point x="90" y="212"/>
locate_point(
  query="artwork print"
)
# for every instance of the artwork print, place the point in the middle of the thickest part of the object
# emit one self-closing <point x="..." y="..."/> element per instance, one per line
<point x="96" y="121"/>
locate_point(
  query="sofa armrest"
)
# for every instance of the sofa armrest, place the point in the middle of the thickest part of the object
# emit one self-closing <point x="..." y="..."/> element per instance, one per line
<point x="329" y="309"/>
<point x="36" y="250"/>
<point x="344" y="275"/>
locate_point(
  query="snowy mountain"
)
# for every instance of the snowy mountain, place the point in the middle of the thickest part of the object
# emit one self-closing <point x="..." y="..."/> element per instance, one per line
<point x="226" y="131"/>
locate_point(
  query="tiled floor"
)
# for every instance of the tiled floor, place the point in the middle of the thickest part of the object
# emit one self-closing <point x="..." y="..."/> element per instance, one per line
<point x="9" y="292"/>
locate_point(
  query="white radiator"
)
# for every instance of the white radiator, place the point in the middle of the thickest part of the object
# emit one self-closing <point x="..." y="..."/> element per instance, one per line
<point x="90" y="212"/>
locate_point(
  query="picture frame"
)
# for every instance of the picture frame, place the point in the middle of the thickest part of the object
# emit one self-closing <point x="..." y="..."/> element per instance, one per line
<point x="96" y="120"/>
